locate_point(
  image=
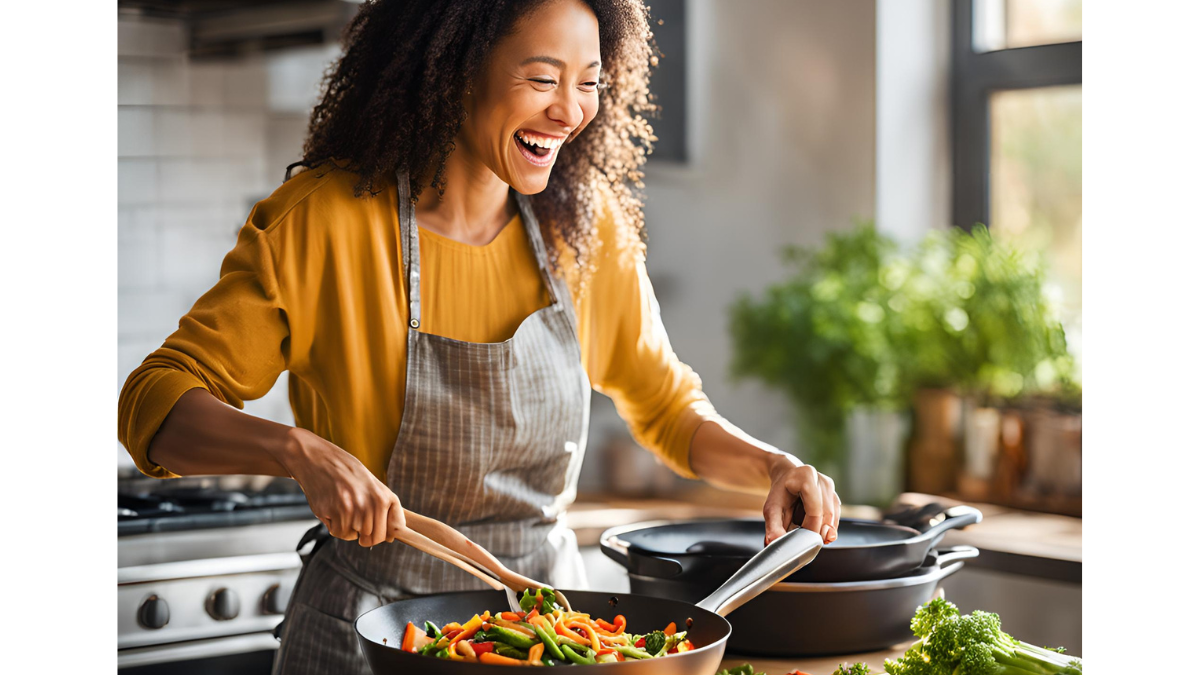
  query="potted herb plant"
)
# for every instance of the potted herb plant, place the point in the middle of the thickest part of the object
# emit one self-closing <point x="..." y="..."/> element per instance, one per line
<point x="832" y="337"/>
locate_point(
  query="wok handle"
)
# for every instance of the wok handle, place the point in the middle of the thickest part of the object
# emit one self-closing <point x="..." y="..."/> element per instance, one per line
<point x="768" y="567"/>
<point x="953" y="518"/>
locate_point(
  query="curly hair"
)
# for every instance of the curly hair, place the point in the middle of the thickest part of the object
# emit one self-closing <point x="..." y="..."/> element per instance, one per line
<point x="394" y="101"/>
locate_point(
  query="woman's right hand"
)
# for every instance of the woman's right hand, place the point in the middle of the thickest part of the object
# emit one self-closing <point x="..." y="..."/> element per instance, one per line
<point x="341" y="492"/>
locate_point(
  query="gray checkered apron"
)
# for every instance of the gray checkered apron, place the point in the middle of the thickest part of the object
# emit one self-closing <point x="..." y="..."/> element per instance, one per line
<point x="491" y="441"/>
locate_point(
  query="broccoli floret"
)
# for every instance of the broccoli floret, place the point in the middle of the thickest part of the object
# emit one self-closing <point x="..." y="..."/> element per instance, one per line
<point x="931" y="614"/>
<point x="655" y="642"/>
<point x="856" y="669"/>
<point x="952" y="644"/>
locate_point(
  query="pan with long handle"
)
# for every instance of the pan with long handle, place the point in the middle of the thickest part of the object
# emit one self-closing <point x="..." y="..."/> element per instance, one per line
<point x="380" y="630"/>
<point x="705" y="550"/>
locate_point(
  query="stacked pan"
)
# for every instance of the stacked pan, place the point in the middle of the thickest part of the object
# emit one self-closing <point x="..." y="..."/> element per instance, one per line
<point x="857" y="595"/>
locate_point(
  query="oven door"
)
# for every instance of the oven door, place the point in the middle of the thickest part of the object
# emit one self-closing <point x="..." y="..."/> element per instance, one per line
<point x="250" y="654"/>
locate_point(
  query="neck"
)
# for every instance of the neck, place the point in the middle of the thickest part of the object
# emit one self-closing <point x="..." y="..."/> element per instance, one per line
<point x="475" y="206"/>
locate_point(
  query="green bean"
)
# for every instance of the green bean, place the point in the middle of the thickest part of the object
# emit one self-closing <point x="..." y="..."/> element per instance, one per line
<point x="511" y="652"/>
<point x="578" y="659"/>
<point x="551" y="646"/>
<point x="632" y="652"/>
<point x="511" y="637"/>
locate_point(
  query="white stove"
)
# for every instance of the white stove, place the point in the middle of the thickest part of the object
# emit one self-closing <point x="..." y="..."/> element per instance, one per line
<point x="203" y="576"/>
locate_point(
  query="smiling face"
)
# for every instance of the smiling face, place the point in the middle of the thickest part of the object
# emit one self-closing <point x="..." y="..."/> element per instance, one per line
<point x="538" y="89"/>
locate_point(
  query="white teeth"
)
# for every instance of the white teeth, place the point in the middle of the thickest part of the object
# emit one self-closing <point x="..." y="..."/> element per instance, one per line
<point x="550" y="143"/>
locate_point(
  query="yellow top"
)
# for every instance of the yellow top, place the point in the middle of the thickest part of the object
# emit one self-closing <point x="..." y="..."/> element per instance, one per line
<point x="314" y="286"/>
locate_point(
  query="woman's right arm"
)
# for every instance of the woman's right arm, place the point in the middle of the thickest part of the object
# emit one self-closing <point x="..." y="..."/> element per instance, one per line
<point x="178" y="411"/>
<point x="202" y="436"/>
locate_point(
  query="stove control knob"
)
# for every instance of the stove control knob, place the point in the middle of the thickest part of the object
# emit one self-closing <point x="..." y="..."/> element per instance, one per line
<point x="223" y="604"/>
<point x="153" y="613"/>
<point x="275" y="600"/>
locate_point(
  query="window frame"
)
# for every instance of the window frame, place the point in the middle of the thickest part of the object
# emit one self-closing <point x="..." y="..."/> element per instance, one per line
<point x="974" y="76"/>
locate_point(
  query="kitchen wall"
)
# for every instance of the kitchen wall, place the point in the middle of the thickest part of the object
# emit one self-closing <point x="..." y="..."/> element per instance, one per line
<point x="782" y="115"/>
<point x="199" y="142"/>
<point x="782" y="133"/>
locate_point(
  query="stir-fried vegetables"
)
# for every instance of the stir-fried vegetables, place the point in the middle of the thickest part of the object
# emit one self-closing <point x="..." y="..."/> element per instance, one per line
<point x="543" y="633"/>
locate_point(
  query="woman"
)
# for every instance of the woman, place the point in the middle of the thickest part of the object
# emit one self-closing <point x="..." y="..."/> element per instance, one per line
<point x="440" y="349"/>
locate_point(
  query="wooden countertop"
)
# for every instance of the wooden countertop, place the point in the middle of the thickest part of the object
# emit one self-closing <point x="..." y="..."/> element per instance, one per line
<point x="820" y="665"/>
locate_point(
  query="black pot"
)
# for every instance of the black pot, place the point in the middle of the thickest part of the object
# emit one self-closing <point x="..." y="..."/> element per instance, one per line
<point x="708" y="551"/>
<point x="794" y="619"/>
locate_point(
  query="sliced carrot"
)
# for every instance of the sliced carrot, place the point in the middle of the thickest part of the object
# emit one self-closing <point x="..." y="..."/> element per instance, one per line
<point x="509" y="616"/>
<point x="495" y="659"/>
<point x="593" y="639"/>
<point x="670" y="629"/>
<point x="410" y="637"/>
<point x="535" y="654"/>
<point x="563" y="631"/>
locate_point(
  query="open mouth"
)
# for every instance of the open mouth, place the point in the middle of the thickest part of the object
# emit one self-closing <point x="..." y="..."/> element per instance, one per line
<point x="536" y="154"/>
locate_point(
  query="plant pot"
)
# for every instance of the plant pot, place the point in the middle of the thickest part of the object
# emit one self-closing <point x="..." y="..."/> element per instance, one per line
<point x="1055" y="445"/>
<point x="874" y="456"/>
<point x="933" y="453"/>
<point x="981" y="441"/>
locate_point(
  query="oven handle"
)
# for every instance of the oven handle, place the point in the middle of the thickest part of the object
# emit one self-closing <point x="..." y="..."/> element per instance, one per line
<point x="196" y="649"/>
<point x="210" y="567"/>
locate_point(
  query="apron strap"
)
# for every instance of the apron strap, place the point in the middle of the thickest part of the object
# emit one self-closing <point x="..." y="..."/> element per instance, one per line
<point x="534" y="231"/>
<point x="409" y="248"/>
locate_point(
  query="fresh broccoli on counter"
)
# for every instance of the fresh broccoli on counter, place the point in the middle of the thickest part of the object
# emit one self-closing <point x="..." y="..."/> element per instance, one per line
<point x="744" y="669"/>
<point x="952" y="644"/>
<point x="856" y="669"/>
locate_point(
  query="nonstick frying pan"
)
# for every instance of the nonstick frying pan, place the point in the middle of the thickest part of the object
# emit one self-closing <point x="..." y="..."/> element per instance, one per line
<point x="705" y="550"/>
<point x="380" y="630"/>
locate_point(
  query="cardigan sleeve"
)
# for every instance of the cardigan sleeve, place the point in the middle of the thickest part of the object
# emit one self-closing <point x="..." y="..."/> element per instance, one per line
<point x="232" y="343"/>
<point x="627" y="353"/>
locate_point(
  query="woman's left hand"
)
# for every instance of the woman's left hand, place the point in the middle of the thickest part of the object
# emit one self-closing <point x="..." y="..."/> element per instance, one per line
<point x="793" y="484"/>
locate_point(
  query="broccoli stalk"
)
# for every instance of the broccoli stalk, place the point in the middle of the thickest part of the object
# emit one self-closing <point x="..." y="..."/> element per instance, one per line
<point x="952" y="644"/>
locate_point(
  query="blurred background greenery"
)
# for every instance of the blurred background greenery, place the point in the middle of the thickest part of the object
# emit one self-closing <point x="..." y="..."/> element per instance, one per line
<point x="861" y="325"/>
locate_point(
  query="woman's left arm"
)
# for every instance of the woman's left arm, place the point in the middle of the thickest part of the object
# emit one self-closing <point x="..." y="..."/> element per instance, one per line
<point x="629" y="358"/>
<point x="726" y="457"/>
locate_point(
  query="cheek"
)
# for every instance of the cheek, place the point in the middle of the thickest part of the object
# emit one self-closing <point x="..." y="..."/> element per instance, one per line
<point x="590" y="110"/>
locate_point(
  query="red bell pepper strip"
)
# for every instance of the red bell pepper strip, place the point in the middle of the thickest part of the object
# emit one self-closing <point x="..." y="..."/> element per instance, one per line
<point x="481" y="647"/>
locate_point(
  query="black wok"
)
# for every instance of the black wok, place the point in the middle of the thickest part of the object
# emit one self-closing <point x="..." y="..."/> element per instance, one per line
<point x="381" y="630"/>
<point x="708" y="550"/>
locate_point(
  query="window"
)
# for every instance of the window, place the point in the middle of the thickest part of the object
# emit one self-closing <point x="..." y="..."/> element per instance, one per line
<point x="1017" y="133"/>
<point x="668" y="82"/>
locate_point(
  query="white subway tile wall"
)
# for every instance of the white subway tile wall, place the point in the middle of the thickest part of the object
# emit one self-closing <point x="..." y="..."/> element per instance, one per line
<point x="198" y="143"/>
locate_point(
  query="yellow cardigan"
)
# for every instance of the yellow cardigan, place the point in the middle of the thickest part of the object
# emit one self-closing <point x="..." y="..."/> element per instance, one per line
<point x="314" y="287"/>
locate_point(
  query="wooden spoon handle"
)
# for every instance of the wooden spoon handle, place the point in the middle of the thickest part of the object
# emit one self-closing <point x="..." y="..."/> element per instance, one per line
<point x="466" y="550"/>
<point x="423" y="543"/>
